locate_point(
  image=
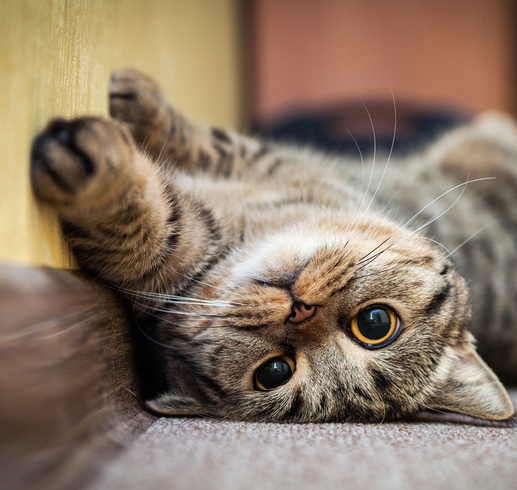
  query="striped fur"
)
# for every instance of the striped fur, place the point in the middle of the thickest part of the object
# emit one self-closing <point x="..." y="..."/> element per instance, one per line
<point x="215" y="237"/>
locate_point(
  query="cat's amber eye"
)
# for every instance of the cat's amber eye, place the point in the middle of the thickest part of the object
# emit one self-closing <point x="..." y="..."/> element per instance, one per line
<point x="375" y="326"/>
<point x="274" y="373"/>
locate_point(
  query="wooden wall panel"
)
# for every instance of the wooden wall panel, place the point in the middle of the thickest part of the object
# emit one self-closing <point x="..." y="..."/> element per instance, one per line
<point x="316" y="52"/>
<point x="55" y="59"/>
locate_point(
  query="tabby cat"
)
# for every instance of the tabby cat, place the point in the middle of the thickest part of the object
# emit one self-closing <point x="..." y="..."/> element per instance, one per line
<point x="281" y="284"/>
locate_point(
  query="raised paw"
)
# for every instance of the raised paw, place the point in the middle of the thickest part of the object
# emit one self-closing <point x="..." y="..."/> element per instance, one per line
<point x="78" y="159"/>
<point x="136" y="100"/>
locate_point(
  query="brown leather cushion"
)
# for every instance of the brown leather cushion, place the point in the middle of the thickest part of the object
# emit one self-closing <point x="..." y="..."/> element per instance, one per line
<point x="66" y="383"/>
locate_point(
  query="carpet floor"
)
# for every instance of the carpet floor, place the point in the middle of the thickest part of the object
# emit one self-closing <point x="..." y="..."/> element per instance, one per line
<point x="207" y="454"/>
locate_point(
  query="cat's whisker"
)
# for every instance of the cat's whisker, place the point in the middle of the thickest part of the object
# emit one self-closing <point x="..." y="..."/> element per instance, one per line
<point x="134" y="395"/>
<point x="176" y="312"/>
<point x="222" y="302"/>
<point x="49" y="324"/>
<point x="434" y="409"/>
<point x="200" y="303"/>
<point x="161" y="296"/>
<point x="206" y="284"/>
<point x="436" y="242"/>
<point x="433" y="219"/>
<point x="365" y="194"/>
<point x="376" y="273"/>
<point x="463" y="185"/>
<point x="170" y="311"/>
<point x="374" y="150"/>
<point x="170" y="298"/>
<point x="159" y="158"/>
<point x="394" y="124"/>
<point x="353" y="226"/>
<point x="179" y="300"/>
<point x="385" y="207"/>
<point x="154" y="341"/>
<point x="389" y="155"/>
<point x="358" y="204"/>
<point x="372" y="200"/>
<point x="453" y="251"/>
<point x="164" y="319"/>
<point x="83" y="322"/>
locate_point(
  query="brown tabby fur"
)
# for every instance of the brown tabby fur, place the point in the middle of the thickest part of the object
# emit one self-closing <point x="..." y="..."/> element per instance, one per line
<point x="215" y="238"/>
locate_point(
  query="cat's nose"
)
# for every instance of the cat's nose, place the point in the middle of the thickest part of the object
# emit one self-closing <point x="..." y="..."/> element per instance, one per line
<point x="301" y="313"/>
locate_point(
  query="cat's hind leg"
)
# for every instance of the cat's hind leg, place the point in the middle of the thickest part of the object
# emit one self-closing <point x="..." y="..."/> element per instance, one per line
<point x="486" y="149"/>
<point x="173" y="139"/>
<point x="126" y="223"/>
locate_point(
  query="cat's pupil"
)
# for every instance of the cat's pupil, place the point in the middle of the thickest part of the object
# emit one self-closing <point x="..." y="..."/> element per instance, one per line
<point x="374" y="323"/>
<point x="273" y="373"/>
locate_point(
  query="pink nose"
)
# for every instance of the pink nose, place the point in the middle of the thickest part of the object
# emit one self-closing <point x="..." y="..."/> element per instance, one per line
<point x="301" y="313"/>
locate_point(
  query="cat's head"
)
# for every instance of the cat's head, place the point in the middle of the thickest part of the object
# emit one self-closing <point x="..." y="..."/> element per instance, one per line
<point x="330" y="321"/>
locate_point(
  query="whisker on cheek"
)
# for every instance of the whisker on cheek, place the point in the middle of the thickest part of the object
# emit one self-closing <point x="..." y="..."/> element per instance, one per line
<point x="62" y="324"/>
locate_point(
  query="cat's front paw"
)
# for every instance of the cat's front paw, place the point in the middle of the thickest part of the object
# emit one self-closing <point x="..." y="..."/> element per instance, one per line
<point x="136" y="100"/>
<point x="78" y="159"/>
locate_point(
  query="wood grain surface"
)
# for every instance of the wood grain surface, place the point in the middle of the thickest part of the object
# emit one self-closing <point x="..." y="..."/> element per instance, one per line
<point x="56" y="57"/>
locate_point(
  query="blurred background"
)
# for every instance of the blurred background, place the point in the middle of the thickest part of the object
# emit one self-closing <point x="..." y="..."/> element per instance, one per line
<point x="318" y="68"/>
<point x="306" y="70"/>
<point x="308" y="53"/>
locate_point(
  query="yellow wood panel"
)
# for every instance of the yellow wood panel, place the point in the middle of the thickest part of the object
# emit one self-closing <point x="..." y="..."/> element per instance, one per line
<point x="55" y="60"/>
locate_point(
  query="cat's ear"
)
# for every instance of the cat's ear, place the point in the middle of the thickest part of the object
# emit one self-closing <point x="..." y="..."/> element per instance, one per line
<point x="176" y="404"/>
<point x="471" y="388"/>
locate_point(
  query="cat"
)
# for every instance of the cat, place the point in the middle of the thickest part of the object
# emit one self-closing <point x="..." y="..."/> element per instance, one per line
<point x="280" y="284"/>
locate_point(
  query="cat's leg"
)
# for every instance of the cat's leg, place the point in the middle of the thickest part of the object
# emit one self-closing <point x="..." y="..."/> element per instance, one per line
<point x="486" y="149"/>
<point x="126" y="223"/>
<point x="173" y="139"/>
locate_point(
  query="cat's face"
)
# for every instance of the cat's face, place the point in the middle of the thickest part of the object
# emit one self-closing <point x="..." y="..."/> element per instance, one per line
<point x="329" y="321"/>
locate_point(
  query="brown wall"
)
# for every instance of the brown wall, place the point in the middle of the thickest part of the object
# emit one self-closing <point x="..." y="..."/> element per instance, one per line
<point x="453" y="51"/>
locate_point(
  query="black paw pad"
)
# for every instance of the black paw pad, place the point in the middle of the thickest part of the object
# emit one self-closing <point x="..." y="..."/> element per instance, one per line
<point x="64" y="132"/>
<point x="58" y="161"/>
